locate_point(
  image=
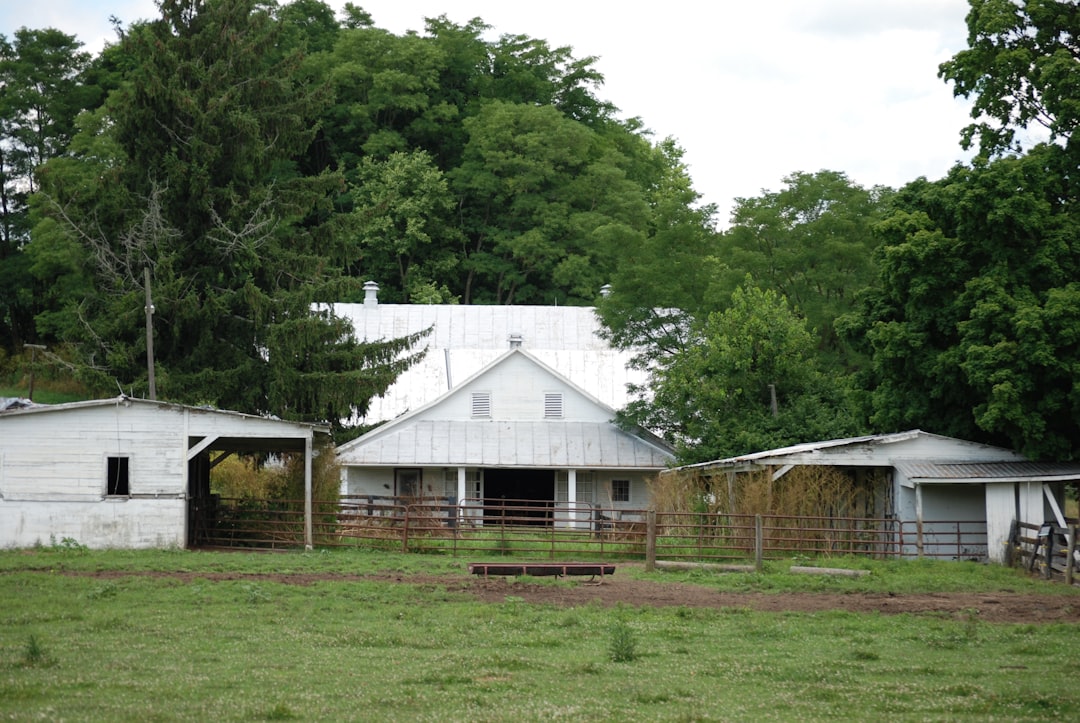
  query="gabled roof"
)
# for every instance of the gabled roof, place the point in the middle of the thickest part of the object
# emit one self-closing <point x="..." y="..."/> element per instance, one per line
<point x="412" y="440"/>
<point x="870" y="450"/>
<point x="231" y="431"/>
<point x="463" y="339"/>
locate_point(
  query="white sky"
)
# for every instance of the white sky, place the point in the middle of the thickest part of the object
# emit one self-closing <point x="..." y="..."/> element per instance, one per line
<point x="753" y="91"/>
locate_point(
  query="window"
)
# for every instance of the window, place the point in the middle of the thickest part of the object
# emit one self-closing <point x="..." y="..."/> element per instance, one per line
<point x="117" y="483"/>
<point x="584" y="487"/>
<point x="552" y="405"/>
<point x="481" y="404"/>
<point x="472" y="482"/>
<point x="620" y="490"/>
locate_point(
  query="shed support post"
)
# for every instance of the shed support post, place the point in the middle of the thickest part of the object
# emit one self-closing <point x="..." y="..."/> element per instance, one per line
<point x="918" y="521"/>
<point x="307" y="494"/>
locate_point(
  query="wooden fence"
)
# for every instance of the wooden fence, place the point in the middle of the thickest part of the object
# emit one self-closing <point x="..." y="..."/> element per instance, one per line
<point x="1048" y="549"/>
<point x="527" y="528"/>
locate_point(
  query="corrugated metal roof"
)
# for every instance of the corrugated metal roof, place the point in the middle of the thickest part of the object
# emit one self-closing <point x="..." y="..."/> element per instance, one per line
<point x="126" y="401"/>
<point x="944" y="472"/>
<point x="506" y="444"/>
<point x="466" y="338"/>
<point x="804" y="448"/>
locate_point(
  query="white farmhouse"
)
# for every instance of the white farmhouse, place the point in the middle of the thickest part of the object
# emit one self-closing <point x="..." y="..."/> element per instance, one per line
<point x="515" y="430"/>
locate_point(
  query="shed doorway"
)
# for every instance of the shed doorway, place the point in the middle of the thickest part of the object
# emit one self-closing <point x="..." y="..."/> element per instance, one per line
<point x="528" y="493"/>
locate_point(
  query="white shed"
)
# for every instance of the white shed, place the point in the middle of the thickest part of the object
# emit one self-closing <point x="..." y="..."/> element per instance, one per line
<point x="932" y="483"/>
<point x="516" y="430"/>
<point x="124" y="472"/>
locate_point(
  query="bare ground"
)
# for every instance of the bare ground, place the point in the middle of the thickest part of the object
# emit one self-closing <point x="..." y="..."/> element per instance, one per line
<point x="614" y="589"/>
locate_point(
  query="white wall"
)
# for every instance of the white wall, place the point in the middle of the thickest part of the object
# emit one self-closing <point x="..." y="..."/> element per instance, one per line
<point x="112" y="523"/>
<point x="63" y="455"/>
<point x="943" y="506"/>
<point x="516" y="387"/>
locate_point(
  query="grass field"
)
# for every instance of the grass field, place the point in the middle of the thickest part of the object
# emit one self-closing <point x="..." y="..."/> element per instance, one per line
<point x="111" y="642"/>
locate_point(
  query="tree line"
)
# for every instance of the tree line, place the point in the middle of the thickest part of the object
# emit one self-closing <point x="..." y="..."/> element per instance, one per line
<point x="262" y="158"/>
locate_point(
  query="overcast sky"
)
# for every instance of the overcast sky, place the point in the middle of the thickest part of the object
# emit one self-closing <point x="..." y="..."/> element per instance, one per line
<point x="752" y="91"/>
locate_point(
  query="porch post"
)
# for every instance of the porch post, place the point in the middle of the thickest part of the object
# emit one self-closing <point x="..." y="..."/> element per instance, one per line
<point x="571" y="495"/>
<point x="461" y="491"/>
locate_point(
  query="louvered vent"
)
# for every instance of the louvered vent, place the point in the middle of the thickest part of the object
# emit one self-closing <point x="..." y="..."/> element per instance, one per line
<point x="552" y="405"/>
<point x="481" y="404"/>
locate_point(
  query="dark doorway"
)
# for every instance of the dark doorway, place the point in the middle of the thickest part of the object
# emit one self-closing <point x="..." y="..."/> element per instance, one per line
<point x="525" y="496"/>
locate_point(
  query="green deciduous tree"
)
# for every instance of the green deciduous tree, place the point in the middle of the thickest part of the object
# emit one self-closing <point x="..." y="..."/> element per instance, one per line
<point x="1022" y="66"/>
<point x="811" y="242"/>
<point x="747" y="379"/>
<point x="975" y="330"/>
<point x="403" y="210"/>
<point x="538" y="190"/>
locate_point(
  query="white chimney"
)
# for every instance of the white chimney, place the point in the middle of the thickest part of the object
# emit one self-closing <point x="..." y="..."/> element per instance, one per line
<point x="371" y="294"/>
<point x="605" y="290"/>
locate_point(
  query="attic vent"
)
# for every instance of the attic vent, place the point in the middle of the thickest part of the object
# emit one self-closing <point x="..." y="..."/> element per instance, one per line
<point x="552" y="405"/>
<point x="481" y="404"/>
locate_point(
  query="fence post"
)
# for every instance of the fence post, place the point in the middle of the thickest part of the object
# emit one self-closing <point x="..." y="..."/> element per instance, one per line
<point x="405" y="532"/>
<point x="759" y="544"/>
<point x="1048" y="550"/>
<point x="1070" y="549"/>
<point x="650" y="540"/>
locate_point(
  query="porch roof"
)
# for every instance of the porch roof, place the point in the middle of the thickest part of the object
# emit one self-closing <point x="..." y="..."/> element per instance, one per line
<point x="593" y="445"/>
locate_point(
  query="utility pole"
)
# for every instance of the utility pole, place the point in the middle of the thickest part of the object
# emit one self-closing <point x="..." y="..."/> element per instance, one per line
<point x="149" y="334"/>
<point x="33" y="363"/>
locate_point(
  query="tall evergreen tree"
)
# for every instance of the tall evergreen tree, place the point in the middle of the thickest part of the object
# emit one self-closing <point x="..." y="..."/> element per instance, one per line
<point x="202" y="184"/>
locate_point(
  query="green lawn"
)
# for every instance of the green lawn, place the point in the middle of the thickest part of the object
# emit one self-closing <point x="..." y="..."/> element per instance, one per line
<point x="136" y="647"/>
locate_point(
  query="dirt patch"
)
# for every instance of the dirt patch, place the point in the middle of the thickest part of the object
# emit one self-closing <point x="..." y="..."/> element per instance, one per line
<point x="615" y="589"/>
<point x="991" y="607"/>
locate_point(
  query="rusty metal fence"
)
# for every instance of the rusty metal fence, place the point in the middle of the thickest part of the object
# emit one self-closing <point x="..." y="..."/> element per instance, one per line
<point x="561" y="530"/>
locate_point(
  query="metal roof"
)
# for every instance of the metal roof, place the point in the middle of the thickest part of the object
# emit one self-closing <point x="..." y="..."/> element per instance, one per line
<point x="466" y="338"/>
<point x="974" y="472"/>
<point x="126" y="401"/>
<point x="802" y="449"/>
<point x="506" y="444"/>
<point x="860" y="450"/>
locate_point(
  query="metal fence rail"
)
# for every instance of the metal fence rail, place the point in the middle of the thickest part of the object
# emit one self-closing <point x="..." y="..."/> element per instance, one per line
<point x="561" y="530"/>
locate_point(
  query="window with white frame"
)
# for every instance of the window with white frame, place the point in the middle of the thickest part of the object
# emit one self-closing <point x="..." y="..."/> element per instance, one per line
<point x="620" y="490"/>
<point x="481" y="404"/>
<point x="553" y="406"/>
<point x="584" y="486"/>
<point x="472" y="482"/>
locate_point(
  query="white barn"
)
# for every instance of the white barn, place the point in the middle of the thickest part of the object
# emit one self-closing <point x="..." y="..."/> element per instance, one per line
<point x="124" y="472"/>
<point x="515" y="430"/>
<point x="927" y="480"/>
